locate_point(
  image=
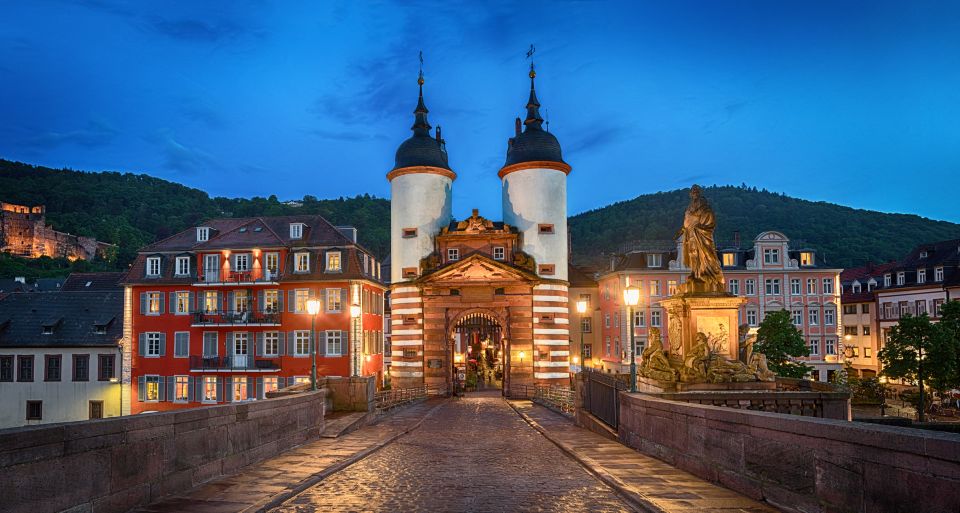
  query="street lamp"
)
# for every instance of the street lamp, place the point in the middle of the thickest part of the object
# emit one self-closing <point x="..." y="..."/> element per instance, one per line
<point x="631" y="297"/>
<point x="354" y="315"/>
<point x="581" y="309"/>
<point x="313" y="308"/>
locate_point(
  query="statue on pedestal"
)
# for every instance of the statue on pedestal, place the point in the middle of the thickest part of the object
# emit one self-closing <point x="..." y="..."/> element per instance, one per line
<point x="654" y="363"/>
<point x="699" y="249"/>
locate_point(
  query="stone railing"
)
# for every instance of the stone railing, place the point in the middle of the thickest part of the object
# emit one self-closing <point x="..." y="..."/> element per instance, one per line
<point x="116" y="464"/>
<point x="830" y="405"/>
<point x="799" y="463"/>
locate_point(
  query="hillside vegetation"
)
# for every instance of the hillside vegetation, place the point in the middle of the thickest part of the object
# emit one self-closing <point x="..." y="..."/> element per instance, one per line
<point x="132" y="210"/>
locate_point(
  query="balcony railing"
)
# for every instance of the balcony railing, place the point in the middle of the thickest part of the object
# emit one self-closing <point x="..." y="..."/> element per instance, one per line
<point x="236" y="318"/>
<point x="236" y="362"/>
<point x="237" y="277"/>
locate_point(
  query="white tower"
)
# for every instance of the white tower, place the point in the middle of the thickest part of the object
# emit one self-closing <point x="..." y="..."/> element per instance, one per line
<point x="535" y="191"/>
<point x="421" y="183"/>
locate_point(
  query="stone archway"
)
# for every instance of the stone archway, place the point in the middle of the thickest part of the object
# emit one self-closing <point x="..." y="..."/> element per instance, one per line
<point x="468" y="328"/>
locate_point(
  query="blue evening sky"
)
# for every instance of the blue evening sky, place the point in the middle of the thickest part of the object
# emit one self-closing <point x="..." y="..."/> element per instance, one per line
<point x="851" y="102"/>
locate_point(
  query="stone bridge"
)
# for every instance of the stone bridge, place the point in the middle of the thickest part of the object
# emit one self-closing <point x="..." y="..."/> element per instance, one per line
<point x="479" y="453"/>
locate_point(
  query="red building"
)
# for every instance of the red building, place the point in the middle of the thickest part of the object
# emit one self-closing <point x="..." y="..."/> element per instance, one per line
<point x="219" y="313"/>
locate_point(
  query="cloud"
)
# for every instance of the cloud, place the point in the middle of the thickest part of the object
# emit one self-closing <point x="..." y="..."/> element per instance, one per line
<point x="96" y="134"/>
<point x="194" y="30"/>
<point x="199" y="111"/>
<point x="184" y="159"/>
<point x="599" y="137"/>
<point x="730" y="110"/>
<point x="348" y="136"/>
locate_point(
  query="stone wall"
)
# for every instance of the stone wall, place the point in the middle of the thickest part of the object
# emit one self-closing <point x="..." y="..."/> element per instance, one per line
<point x="113" y="465"/>
<point x="799" y="464"/>
<point x="828" y="405"/>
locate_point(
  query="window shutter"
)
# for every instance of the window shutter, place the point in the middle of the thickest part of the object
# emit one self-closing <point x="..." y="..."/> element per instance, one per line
<point x="291" y="300"/>
<point x="219" y="301"/>
<point x="343" y="299"/>
<point x="219" y="388"/>
<point x="322" y="343"/>
<point x="229" y="390"/>
<point x="191" y="396"/>
<point x="260" y="344"/>
<point x="163" y="344"/>
<point x="279" y="301"/>
<point x="345" y="348"/>
<point x="259" y="391"/>
<point x="173" y="302"/>
<point x="291" y="343"/>
<point x="261" y="301"/>
<point x="141" y="388"/>
<point x="191" y="302"/>
<point x="231" y="296"/>
<point x="230" y="343"/>
<point x="142" y="344"/>
<point x="281" y="343"/>
<point x="198" y="389"/>
<point x="143" y="303"/>
<point x="170" y="392"/>
<point x="162" y="294"/>
<point x="281" y="382"/>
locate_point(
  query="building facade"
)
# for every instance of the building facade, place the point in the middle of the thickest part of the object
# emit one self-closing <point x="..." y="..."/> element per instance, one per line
<point x="919" y="284"/>
<point x="583" y="326"/>
<point x="861" y="334"/>
<point x="770" y="275"/>
<point x="24" y="232"/>
<point x="220" y="312"/>
<point x="498" y="286"/>
<point x="60" y="356"/>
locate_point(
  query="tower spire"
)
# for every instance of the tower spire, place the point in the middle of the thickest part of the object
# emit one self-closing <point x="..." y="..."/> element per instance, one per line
<point x="420" y="124"/>
<point x="533" y="121"/>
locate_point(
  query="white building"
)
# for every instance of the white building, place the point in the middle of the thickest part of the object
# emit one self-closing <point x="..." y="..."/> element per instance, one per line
<point x="60" y="356"/>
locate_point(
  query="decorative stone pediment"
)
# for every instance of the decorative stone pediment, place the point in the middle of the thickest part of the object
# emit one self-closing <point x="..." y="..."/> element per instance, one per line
<point x="478" y="268"/>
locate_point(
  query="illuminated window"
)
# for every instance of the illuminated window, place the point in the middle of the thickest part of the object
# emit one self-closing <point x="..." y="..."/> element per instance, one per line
<point x="151" y="388"/>
<point x="271" y="301"/>
<point x="300" y="297"/>
<point x="806" y="258"/>
<point x="654" y="287"/>
<point x="241" y="300"/>
<point x="154" y="303"/>
<point x="672" y="287"/>
<point x="270" y="384"/>
<point x="333" y="262"/>
<point x="181" y="389"/>
<point x="211" y="301"/>
<point x="334" y="300"/>
<point x="272" y="263"/>
<point x="729" y="259"/>
<point x="182" y="303"/>
<point x="209" y="389"/>
<point x="240" y="388"/>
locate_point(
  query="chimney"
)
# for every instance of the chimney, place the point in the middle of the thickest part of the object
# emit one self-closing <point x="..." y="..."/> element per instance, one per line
<point x="736" y="239"/>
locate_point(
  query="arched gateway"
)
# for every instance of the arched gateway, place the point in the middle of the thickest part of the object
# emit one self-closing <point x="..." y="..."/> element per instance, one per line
<point x="512" y="274"/>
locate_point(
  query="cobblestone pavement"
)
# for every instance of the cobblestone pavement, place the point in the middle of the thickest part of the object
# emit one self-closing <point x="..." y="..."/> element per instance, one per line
<point x="649" y="481"/>
<point x="256" y="485"/>
<point x="474" y="454"/>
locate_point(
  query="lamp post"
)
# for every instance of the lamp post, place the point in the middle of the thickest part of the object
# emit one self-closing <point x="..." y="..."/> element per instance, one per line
<point x="581" y="309"/>
<point x="313" y="308"/>
<point x="631" y="297"/>
<point x="354" y="315"/>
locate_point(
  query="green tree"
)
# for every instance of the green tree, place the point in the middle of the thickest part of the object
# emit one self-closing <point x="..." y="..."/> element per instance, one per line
<point x="949" y="331"/>
<point x="916" y="350"/>
<point x="781" y="342"/>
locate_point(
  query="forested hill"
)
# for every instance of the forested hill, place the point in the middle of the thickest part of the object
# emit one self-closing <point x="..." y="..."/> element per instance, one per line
<point x="132" y="210"/>
<point x="846" y="237"/>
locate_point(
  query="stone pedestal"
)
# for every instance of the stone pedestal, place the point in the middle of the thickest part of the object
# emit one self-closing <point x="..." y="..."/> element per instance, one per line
<point x="714" y="315"/>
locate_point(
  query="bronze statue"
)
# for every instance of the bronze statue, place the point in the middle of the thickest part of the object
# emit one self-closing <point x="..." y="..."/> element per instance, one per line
<point x="654" y="363"/>
<point x="699" y="250"/>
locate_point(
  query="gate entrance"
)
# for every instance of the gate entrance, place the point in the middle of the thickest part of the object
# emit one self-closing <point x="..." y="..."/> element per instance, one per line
<point x="478" y="346"/>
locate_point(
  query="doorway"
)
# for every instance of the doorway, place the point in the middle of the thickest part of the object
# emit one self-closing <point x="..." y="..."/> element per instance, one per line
<point x="478" y="350"/>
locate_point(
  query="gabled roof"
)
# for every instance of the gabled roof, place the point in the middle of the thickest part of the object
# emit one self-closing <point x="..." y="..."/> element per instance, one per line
<point x="580" y="277"/>
<point x="479" y="269"/>
<point x="93" y="281"/>
<point x="72" y="315"/>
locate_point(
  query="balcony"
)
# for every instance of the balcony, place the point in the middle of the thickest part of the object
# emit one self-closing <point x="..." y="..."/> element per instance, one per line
<point x="230" y="318"/>
<point x="199" y="363"/>
<point x="250" y="277"/>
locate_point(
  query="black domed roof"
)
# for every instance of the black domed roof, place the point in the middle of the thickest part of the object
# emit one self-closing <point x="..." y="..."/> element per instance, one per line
<point x="421" y="149"/>
<point x="533" y="143"/>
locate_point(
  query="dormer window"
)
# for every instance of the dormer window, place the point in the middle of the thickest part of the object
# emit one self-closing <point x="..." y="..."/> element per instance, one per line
<point x="48" y="330"/>
<point x="499" y="253"/>
<point x="296" y="230"/>
<point x="901" y="278"/>
<point x="729" y="259"/>
<point x="453" y="254"/>
<point x="99" y="329"/>
<point x="923" y="254"/>
<point x="938" y="274"/>
<point x="856" y="287"/>
<point x="870" y="285"/>
<point x="921" y="275"/>
<point x="887" y="279"/>
<point x="301" y="262"/>
<point x="153" y="266"/>
<point x="183" y="266"/>
<point x="806" y="258"/>
<point x="771" y="256"/>
<point x="654" y="260"/>
<point x="203" y="234"/>
<point x="334" y="264"/>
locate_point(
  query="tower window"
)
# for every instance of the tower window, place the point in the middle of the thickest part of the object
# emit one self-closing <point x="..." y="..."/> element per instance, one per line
<point x="409" y="272"/>
<point x="409" y="233"/>
<point x="545" y="228"/>
<point x="498" y="292"/>
<point x="453" y="254"/>
<point x="499" y="253"/>
<point x="454" y="292"/>
<point x="547" y="269"/>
